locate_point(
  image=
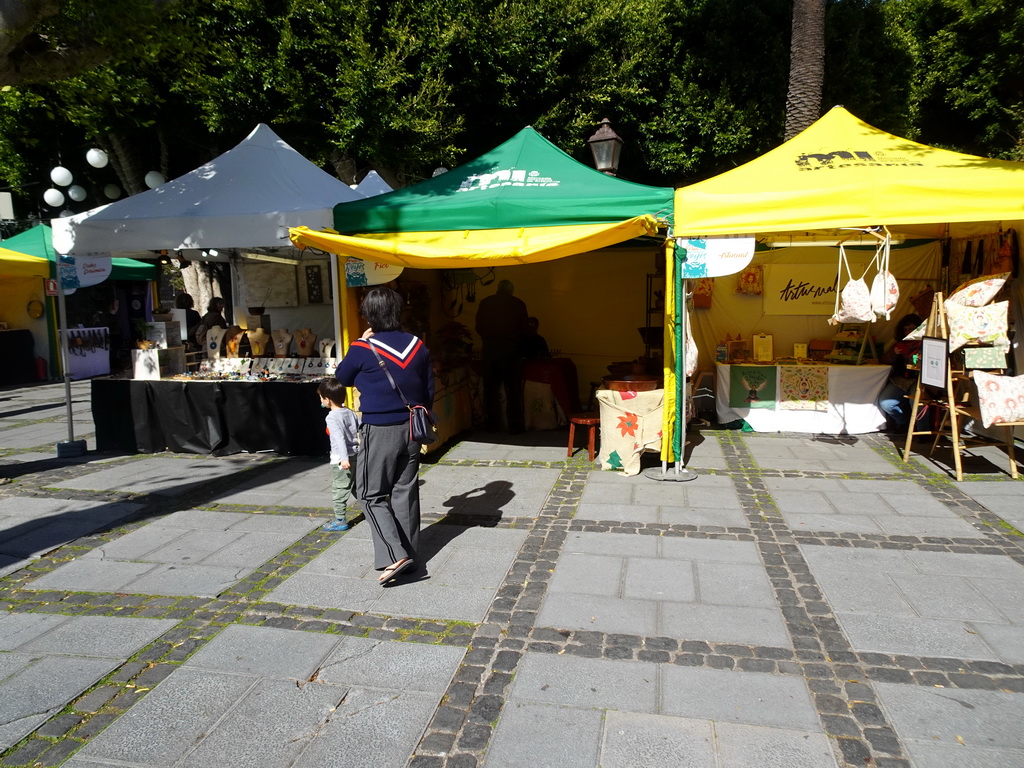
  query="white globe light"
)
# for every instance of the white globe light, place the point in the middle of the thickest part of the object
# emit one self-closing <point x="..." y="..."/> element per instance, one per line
<point x="53" y="197"/>
<point x="154" y="179"/>
<point x="97" y="158"/>
<point x="66" y="212"/>
<point x="112" y="191"/>
<point x="61" y="176"/>
<point x="76" y="193"/>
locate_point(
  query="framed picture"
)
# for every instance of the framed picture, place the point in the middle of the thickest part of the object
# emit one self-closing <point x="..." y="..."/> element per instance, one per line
<point x="934" y="359"/>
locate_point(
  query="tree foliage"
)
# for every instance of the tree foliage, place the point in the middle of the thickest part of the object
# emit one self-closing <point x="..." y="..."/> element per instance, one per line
<point x="694" y="87"/>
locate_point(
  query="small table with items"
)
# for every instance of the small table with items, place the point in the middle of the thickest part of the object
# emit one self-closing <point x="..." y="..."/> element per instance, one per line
<point x="630" y="425"/>
<point x="812" y="398"/>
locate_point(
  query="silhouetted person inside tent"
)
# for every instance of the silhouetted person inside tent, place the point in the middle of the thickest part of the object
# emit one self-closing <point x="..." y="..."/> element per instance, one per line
<point x="502" y="322"/>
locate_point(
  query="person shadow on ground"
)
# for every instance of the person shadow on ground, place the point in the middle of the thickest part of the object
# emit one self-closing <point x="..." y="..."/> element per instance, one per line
<point x="479" y="507"/>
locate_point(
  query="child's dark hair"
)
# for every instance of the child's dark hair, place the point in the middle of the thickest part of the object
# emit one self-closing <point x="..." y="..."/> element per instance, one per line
<point x="332" y="389"/>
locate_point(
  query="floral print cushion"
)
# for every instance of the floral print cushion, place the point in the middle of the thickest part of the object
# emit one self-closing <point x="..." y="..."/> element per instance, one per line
<point x="1001" y="398"/>
<point x="976" y="325"/>
<point x="980" y="291"/>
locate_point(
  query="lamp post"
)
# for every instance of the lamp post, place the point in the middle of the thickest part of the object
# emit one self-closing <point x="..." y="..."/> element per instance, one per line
<point x="606" y="145"/>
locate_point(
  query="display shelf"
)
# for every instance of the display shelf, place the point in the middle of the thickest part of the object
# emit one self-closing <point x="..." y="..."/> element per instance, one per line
<point x="654" y="303"/>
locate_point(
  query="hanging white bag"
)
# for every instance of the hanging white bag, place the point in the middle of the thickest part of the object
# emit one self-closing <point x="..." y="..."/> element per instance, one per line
<point x="885" y="292"/>
<point x="853" y="303"/>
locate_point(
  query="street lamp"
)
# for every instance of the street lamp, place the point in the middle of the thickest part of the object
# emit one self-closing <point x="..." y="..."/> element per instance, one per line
<point x="606" y="145"/>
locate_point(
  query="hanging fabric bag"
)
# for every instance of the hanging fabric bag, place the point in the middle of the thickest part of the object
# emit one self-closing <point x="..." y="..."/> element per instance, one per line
<point x="853" y="303"/>
<point x="885" y="292"/>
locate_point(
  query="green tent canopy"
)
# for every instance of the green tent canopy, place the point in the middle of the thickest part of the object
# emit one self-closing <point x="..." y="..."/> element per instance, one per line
<point x="524" y="201"/>
<point x="525" y="182"/>
<point x="38" y="241"/>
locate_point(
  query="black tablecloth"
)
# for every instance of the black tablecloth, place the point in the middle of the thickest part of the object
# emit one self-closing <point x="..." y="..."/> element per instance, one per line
<point x="208" y="417"/>
<point x="17" y="353"/>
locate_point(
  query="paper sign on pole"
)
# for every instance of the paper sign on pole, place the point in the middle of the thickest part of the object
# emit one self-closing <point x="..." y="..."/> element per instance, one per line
<point x="359" y="273"/>
<point x="714" y="256"/>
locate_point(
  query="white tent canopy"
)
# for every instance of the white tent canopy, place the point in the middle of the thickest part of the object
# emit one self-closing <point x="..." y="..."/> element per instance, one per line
<point x="247" y="197"/>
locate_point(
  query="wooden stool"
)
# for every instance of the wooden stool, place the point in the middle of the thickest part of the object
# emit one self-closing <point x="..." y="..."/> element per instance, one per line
<point x="584" y="420"/>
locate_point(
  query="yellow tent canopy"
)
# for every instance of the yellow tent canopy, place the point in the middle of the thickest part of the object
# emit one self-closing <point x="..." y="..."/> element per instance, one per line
<point x="480" y="247"/>
<point x="14" y="264"/>
<point x="840" y="173"/>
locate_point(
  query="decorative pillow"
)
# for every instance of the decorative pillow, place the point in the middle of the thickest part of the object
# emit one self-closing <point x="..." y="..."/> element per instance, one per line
<point x="977" y="325"/>
<point x="751" y="281"/>
<point x="1001" y="398"/>
<point x="978" y="292"/>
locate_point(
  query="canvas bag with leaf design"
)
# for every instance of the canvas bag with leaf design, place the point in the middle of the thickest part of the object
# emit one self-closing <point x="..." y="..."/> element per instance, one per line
<point x="853" y="303"/>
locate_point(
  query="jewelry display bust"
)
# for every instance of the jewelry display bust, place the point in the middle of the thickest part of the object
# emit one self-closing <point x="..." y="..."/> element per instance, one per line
<point x="282" y="342"/>
<point x="259" y="342"/>
<point x="326" y="347"/>
<point x="215" y="342"/>
<point x="304" y="340"/>
<point x="232" y="339"/>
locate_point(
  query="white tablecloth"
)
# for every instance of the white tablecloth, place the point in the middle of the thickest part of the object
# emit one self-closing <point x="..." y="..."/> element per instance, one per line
<point x="852" y="409"/>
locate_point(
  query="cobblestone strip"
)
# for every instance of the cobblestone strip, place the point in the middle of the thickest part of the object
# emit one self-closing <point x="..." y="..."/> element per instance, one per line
<point x="840" y="685"/>
<point x="463" y="724"/>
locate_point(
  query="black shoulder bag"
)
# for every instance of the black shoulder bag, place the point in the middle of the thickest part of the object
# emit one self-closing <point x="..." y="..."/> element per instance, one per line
<point x="422" y="427"/>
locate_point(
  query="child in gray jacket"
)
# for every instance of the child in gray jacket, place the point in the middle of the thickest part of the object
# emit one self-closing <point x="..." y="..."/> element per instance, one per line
<point x="343" y="430"/>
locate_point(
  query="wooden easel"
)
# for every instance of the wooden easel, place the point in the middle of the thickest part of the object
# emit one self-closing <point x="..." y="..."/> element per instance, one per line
<point x="954" y="402"/>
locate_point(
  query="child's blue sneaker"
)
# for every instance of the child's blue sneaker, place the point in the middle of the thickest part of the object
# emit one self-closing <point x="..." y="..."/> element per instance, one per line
<point x="336" y="525"/>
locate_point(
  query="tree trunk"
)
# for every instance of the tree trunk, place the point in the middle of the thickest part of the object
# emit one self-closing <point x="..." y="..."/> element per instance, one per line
<point x="806" y="65"/>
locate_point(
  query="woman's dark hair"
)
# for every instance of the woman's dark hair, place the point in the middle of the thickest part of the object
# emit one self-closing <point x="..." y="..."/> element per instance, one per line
<point x="911" y="320"/>
<point x="332" y="389"/>
<point x="382" y="308"/>
<point x="184" y="301"/>
<point x="216" y="304"/>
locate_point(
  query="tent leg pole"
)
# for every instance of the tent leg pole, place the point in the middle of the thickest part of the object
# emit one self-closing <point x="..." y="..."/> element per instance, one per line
<point x="71" y="447"/>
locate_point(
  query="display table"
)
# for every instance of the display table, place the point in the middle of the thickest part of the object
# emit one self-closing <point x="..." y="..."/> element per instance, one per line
<point x="850" y="408"/>
<point x="630" y="425"/>
<point x="550" y="392"/>
<point x="17" y="350"/>
<point x="208" y="417"/>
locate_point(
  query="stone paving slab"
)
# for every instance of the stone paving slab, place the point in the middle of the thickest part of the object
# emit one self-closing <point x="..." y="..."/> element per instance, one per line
<point x="190" y="552"/>
<point x="247" y="698"/>
<point x="898" y="507"/>
<point x="945" y="728"/>
<point x="1005" y="499"/>
<point x="500" y="492"/>
<point x="707" y="694"/>
<point x="296" y="483"/>
<point x="40" y="434"/>
<point x="547" y="446"/>
<point x="714" y="590"/>
<point x="163" y="476"/>
<point x="47" y="661"/>
<point x="704" y="451"/>
<point x="816" y="453"/>
<point x="924" y="603"/>
<point x="32" y="526"/>
<point x="464" y="568"/>
<point x="985" y="460"/>
<point x="614" y="496"/>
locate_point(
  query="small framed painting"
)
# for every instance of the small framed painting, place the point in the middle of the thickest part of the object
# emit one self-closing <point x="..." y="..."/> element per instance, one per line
<point x="934" y="359"/>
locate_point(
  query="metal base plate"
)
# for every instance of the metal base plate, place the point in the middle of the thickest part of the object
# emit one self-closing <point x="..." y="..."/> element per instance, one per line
<point x="70" y="449"/>
<point x="670" y="475"/>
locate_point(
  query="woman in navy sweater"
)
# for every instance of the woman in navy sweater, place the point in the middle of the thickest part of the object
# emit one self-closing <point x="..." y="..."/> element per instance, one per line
<point x="389" y="458"/>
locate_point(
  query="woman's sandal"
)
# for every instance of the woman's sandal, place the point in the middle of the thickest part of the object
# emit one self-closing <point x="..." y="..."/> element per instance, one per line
<point x="395" y="570"/>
